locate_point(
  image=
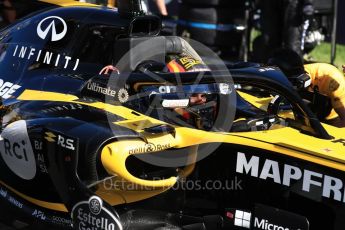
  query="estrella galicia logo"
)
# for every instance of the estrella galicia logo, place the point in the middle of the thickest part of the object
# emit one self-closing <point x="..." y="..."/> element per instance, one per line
<point x="92" y="214"/>
<point x="44" y="28"/>
<point x="95" y="205"/>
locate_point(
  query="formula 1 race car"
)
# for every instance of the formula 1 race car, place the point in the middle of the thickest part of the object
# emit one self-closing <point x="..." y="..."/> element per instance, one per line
<point x="132" y="150"/>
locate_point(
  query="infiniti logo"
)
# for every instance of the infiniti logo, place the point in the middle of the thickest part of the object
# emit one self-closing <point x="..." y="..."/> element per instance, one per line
<point x="42" y="32"/>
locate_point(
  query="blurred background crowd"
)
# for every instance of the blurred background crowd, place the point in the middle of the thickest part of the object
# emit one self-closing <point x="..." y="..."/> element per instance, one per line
<point x="248" y="30"/>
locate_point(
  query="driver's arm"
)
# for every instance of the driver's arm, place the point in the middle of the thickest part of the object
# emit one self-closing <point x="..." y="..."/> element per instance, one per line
<point x="108" y="69"/>
<point x="161" y="7"/>
<point x="339" y="107"/>
<point x="332" y="83"/>
<point x="341" y="121"/>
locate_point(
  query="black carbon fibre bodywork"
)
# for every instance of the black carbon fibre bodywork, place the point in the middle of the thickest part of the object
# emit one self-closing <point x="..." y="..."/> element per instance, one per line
<point x="55" y="103"/>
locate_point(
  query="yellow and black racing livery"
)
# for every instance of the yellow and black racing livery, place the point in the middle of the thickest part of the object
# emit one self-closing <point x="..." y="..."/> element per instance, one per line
<point x="135" y="150"/>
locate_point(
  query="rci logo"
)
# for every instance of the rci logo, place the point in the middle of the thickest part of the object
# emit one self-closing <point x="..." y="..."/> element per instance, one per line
<point x="16" y="150"/>
<point x="43" y="32"/>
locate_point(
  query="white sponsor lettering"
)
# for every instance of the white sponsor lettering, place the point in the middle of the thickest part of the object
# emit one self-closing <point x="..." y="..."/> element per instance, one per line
<point x="3" y="193"/>
<point x="84" y="217"/>
<point x="96" y="88"/>
<point x="149" y="147"/>
<point x="22" y="52"/>
<point x="327" y="186"/>
<point x="65" y="107"/>
<point x="251" y="166"/>
<point x="7" y="89"/>
<point x="308" y="180"/>
<point x="334" y="185"/>
<point x="41" y="163"/>
<point x="38" y="55"/>
<point x="15" y="51"/>
<point x="31" y="53"/>
<point x="291" y="172"/>
<point x="39" y="214"/>
<point x="270" y="170"/>
<point x="266" y="225"/>
<point x="61" y="220"/>
<point x="16" y="150"/>
<point x="57" y="60"/>
<point x="67" y="58"/>
<point x="76" y="64"/>
<point x="38" y="145"/>
<point x="46" y="57"/>
<point x="15" y="202"/>
<point x="66" y="142"/>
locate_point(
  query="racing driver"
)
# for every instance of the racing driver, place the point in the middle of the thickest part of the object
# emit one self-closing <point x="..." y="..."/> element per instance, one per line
<point x="201" y="111"/>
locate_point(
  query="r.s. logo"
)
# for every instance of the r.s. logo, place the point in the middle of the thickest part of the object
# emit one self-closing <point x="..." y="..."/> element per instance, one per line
<point x="62" y="141"/>
<point x="43" y="29"/>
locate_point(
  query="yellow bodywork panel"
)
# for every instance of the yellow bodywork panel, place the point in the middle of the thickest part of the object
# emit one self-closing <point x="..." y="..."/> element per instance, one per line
<point x="285" y="140"/>
<point x="119" y="151"/>
<point x="260" y="103"/>
<point x="286" y="137"/>
<point x="67" y="3"/>
<point x="44" y="204"/>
